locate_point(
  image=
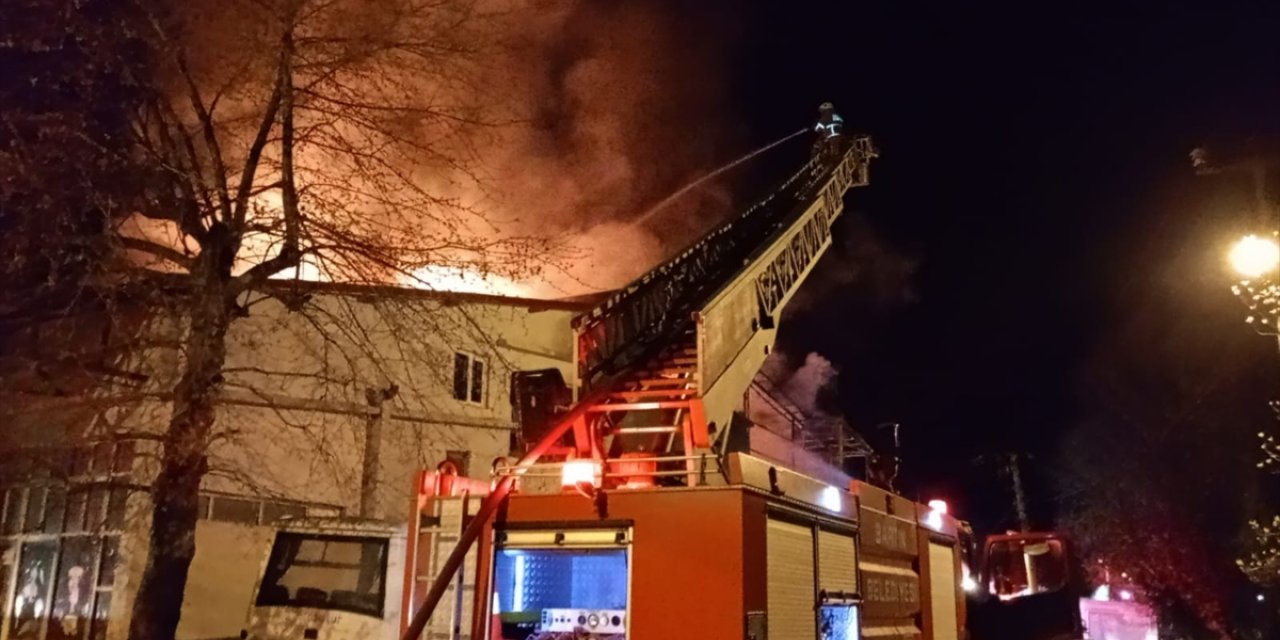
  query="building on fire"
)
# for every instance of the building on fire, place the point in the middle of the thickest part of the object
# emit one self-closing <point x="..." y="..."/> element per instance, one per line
<point x="335" y="396"/>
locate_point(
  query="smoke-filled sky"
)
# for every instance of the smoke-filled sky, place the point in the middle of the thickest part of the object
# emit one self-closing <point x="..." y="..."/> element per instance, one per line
<point x="559" y="119"/>
<point x="612" y="107"/>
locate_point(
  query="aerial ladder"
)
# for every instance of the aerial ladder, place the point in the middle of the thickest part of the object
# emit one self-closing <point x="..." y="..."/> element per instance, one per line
<point x="663" y="366"/>
<point x="666" y="360"/>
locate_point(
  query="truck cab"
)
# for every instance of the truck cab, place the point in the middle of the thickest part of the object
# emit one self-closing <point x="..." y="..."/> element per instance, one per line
<point x="1030" y="587"/>
<point x="327" y="579"/>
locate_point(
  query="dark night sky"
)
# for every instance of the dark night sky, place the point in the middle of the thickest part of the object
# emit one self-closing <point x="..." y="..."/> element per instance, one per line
<point x="1034" y="163"/>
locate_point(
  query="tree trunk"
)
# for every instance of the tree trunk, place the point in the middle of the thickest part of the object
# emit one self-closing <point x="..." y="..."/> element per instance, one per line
<point x="176" y="490"/>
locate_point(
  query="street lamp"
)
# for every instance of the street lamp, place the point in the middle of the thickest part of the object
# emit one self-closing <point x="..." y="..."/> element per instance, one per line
<point x="1256" y="259"/>
<point x="1252" y="256"/>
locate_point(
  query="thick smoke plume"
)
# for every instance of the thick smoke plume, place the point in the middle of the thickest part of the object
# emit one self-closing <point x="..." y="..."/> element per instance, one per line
<point x="805" y="386"/>
<point x="601" y="109"/>
<point x="555" y="119"/>
<point x="863" y="266"/>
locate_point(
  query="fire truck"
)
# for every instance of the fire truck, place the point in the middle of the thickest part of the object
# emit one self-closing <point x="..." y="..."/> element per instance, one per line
<point x="665" y="492"/>
<point x="653" y="507"/>
<point x="1032" y="585"/>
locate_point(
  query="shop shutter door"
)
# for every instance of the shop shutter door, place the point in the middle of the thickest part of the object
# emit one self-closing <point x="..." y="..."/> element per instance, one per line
<point x="942" y="591"/>
<point x="837" y="562"/>
<point x="790" y="570"/>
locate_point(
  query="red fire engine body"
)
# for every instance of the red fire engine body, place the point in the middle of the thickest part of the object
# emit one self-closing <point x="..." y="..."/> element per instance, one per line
<point x="677" y="498"/>
<point x="771" y="553"/>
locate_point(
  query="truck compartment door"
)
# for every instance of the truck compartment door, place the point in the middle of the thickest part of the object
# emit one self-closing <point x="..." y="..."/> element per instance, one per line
<point x="943" y="591"/>
<point x="791" y="598"/>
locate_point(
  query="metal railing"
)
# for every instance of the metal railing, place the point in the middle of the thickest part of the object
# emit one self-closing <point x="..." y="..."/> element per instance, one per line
<point x="705" y="463"/>
<point x="828" y="436"/>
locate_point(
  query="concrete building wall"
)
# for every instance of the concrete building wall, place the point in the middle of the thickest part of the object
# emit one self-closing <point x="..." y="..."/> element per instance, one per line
<point x="290" y="432"/>
<point x="294" y="415"/>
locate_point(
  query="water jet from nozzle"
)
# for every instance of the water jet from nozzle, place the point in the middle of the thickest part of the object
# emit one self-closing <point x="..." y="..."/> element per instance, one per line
<point x="652" y="211"/>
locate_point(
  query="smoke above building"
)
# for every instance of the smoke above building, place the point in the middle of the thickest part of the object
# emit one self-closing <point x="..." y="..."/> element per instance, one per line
<point x="807" y="384"/>
<point x="559" y="122"/>
<point x="602" y="109"/>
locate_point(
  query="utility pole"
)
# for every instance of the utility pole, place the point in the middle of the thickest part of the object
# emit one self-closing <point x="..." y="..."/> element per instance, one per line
<point x="886" y="471"/>
<point x="1008" y="464"/>
<point x="375" y="398"/>
<point x="1019" y="497"/>
<point x="1256" y="166"/>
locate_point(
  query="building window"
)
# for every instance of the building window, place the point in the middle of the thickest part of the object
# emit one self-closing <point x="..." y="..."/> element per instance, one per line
<point x="275" y="511"/>
<point x="468" y="378"/>
<point x="92" y="500"/>
<point x="250" y="510"/>
<point x="236" y="510"/>
<point x="461" y="460"/>
<point x="59" y="557"/>
<point x="106" y="461"/>
<point x="59" y="536"/>
<point x="13" y="506"/>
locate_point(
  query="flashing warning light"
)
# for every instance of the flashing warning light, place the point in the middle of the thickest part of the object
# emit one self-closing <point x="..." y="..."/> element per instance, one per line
<point x="1261" y="598"/>
<point x="830" y="499"/>
<point x="1126" y="595"/>
<point x="1102" y="593"/>
<point x="966" y="580"/>
<point x="933" y="520"/>
<point x="937" y="509"/>
<point x="578" y="472"/>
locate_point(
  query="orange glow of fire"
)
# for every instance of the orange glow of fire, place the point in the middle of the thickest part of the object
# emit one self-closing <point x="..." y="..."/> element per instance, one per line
<point x="607" y="255"/>
<point x="465" y="280"/>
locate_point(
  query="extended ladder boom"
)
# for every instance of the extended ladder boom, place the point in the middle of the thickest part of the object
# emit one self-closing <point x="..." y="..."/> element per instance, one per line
<point x="619" y="331"/>
<point x="732" y="284"/>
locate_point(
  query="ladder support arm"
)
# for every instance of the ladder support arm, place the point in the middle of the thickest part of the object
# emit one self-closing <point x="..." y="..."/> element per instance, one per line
<point x="487" y="508"/>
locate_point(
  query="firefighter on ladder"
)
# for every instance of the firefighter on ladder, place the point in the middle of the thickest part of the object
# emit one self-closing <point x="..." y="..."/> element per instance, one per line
<point x="829" y="127"/>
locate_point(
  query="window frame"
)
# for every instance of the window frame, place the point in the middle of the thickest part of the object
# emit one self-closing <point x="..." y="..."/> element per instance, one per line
<point x="264" y="600"/>
<point x="471" y="359"/>
<point x="52" y="510"/>
<point x="1013" y="563"/>
<point x="265" y="506"/>
<point x="461" y="458"/>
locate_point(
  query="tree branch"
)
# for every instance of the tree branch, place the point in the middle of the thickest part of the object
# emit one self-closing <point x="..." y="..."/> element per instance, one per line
<point x="159" y="251"/>
<point x="289" y="254"/>
<point x="210" y="137"/>
<point x="187" y="215"/>
<point x="254" y="158"/>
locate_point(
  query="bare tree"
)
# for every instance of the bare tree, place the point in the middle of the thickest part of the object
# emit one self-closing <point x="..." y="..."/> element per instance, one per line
<point x="1261" y="559"/>
<point x="1153" y="477"/>
<point x="243" y="141"/>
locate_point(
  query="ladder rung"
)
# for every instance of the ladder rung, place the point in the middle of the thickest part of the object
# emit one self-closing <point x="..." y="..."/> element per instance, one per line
<point x="661" y="382"/>
<point x="639" y="396"/>
<point x="667" y="371"/>
<point x="638" y="406"/>
<point x="679" y="360"/>
<point x="646" y="430"/>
